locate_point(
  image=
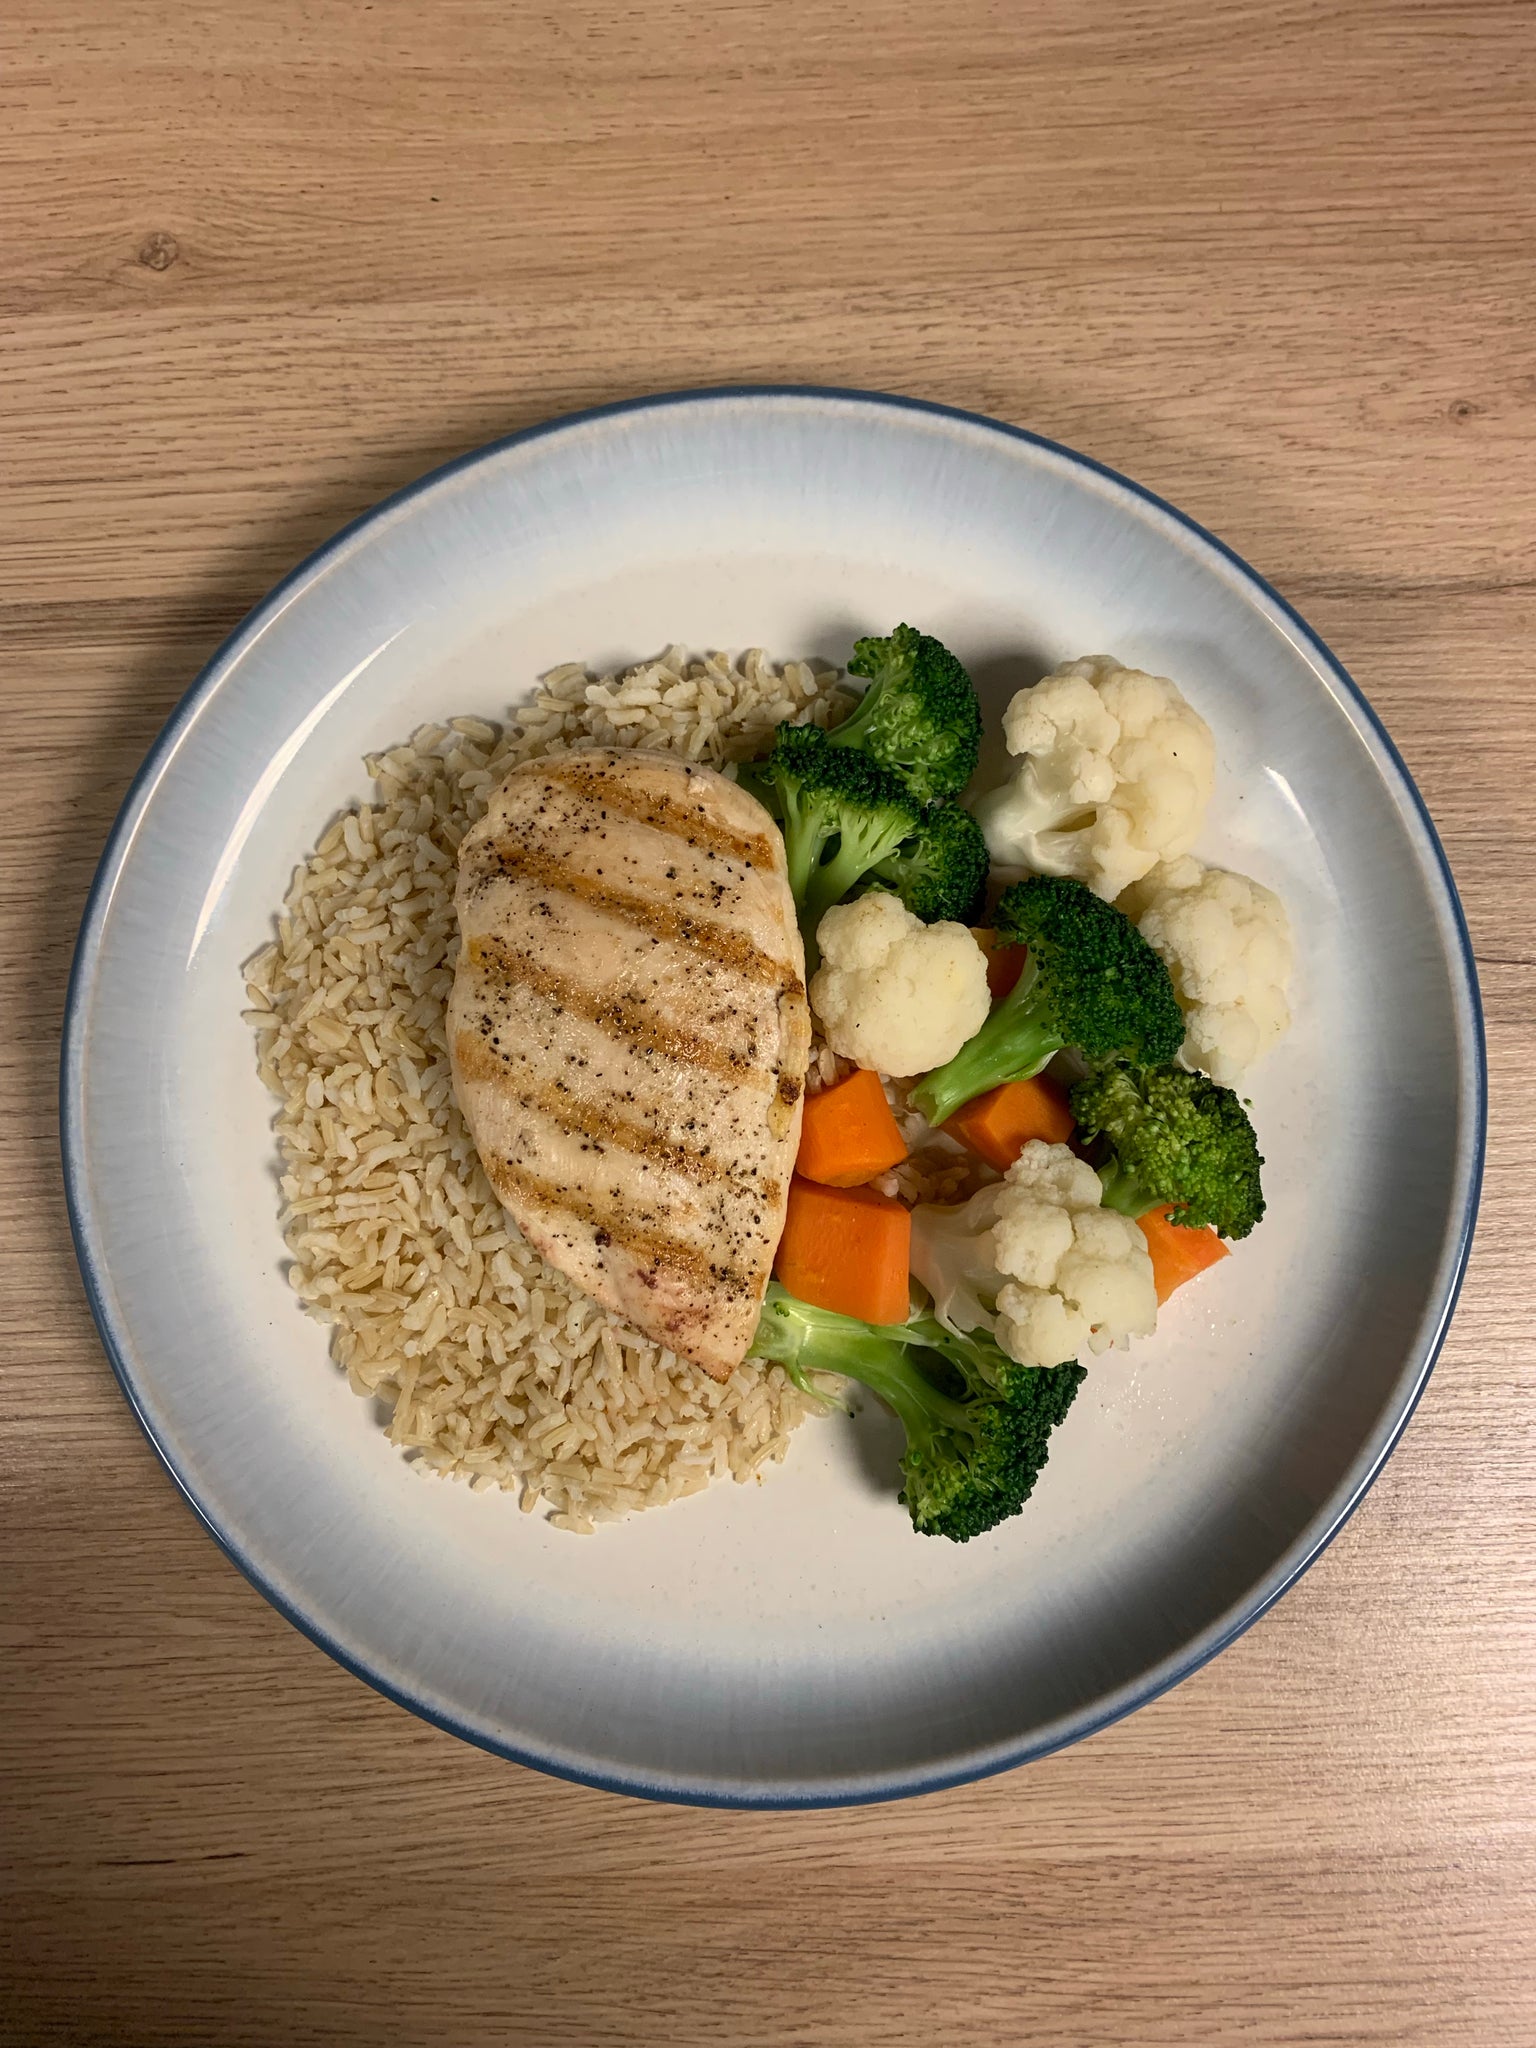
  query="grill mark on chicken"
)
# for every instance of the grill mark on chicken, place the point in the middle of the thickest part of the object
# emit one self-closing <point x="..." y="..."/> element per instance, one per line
<point x="648" y="1248"/>
<point x="649" y="807"/>
<point x="716" y="942"/>
<point x="618" y="1015"/>
<point x="583" y="1116"/>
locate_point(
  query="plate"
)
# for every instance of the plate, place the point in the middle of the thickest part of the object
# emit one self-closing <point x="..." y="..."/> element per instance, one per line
<point x="790" y="1643"/>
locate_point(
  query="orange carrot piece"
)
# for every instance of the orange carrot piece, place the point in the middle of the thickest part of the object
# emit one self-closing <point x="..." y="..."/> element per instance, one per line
<point x="1005" y="962"/>
<point x="1178" y="1253"/>
<point x="849" y="1134"/>
<point x="999" y="1124"/>
<point x="846" y="1249"/>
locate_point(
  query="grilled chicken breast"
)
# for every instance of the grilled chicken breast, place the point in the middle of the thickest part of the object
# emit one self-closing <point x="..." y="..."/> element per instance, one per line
<point x="629" y="1034"/>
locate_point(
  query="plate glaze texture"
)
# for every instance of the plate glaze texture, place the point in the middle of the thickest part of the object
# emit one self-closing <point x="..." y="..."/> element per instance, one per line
<point x="789" y="1642"/>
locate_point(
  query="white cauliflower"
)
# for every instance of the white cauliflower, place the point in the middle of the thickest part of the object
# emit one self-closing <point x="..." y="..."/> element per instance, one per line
<point x="1036" y="1261"/>
<point x="1115" y="774"/>
<point x="894" y="993"/>
<point x="1227" y="942"/>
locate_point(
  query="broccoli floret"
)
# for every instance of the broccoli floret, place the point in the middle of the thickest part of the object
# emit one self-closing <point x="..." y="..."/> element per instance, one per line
<point x="840" y="813"/>
<point x="1091" y="981"/>
<point x="941" y="871"/>
<point x="847" y="800"/>
<point x="1175" y="1139"/>
<point x="919" y="717"/>
<point x="978" y="1426"/>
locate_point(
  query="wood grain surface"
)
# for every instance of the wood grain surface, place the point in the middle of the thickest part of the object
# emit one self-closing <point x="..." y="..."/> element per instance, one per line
<point x="260" y="264"/>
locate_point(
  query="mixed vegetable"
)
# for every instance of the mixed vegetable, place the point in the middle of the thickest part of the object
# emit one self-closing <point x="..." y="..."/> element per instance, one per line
<point x="1079" y="1050"/>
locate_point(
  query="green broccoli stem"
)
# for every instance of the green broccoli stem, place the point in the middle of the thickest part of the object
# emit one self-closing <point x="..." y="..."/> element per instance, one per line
<point x="805" y="828"/>
<point x="1125" y="1193"/>
<point x="850" y="732"/>
<point x="885" y="1366"/>
<point x="860" y="847"/>
<point x="1015" y="1042"/>
<point x="879" y="1357"/>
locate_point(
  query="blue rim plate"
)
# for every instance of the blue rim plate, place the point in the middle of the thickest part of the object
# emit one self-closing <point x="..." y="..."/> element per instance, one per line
<point x="792" y="1644"/>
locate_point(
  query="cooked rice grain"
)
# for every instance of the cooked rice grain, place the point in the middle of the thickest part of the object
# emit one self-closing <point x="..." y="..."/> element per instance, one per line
<point x="496" y="1368"/>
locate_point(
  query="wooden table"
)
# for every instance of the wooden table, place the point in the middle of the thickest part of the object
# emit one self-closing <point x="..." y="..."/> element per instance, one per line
<point x="263" y="263"/>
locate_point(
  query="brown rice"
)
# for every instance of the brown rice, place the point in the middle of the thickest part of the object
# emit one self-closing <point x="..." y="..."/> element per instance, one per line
<point x="496" y="1369"/>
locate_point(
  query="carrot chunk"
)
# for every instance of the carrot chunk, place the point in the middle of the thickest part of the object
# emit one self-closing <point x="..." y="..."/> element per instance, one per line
<point x="849" y="1134"/>
<point x="846" y="1249"/>
<point x="1178" y="1253"/>
<point x="1005" y="963"/>
<point x="999" y="1124"/>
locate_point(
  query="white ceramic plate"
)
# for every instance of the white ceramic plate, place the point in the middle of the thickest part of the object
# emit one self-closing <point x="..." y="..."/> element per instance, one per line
<point x="791" y="1643"/>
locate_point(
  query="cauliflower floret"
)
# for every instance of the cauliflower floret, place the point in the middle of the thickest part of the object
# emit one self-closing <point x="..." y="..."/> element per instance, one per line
<point x="894" y="993"/>
<point x="1227" y="943"/>
<point x="1036" y="1261"/>
<point x="1116" y="772"/>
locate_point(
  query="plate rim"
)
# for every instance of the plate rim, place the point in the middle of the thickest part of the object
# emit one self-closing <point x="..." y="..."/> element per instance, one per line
<point x="963" y="1767"/>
